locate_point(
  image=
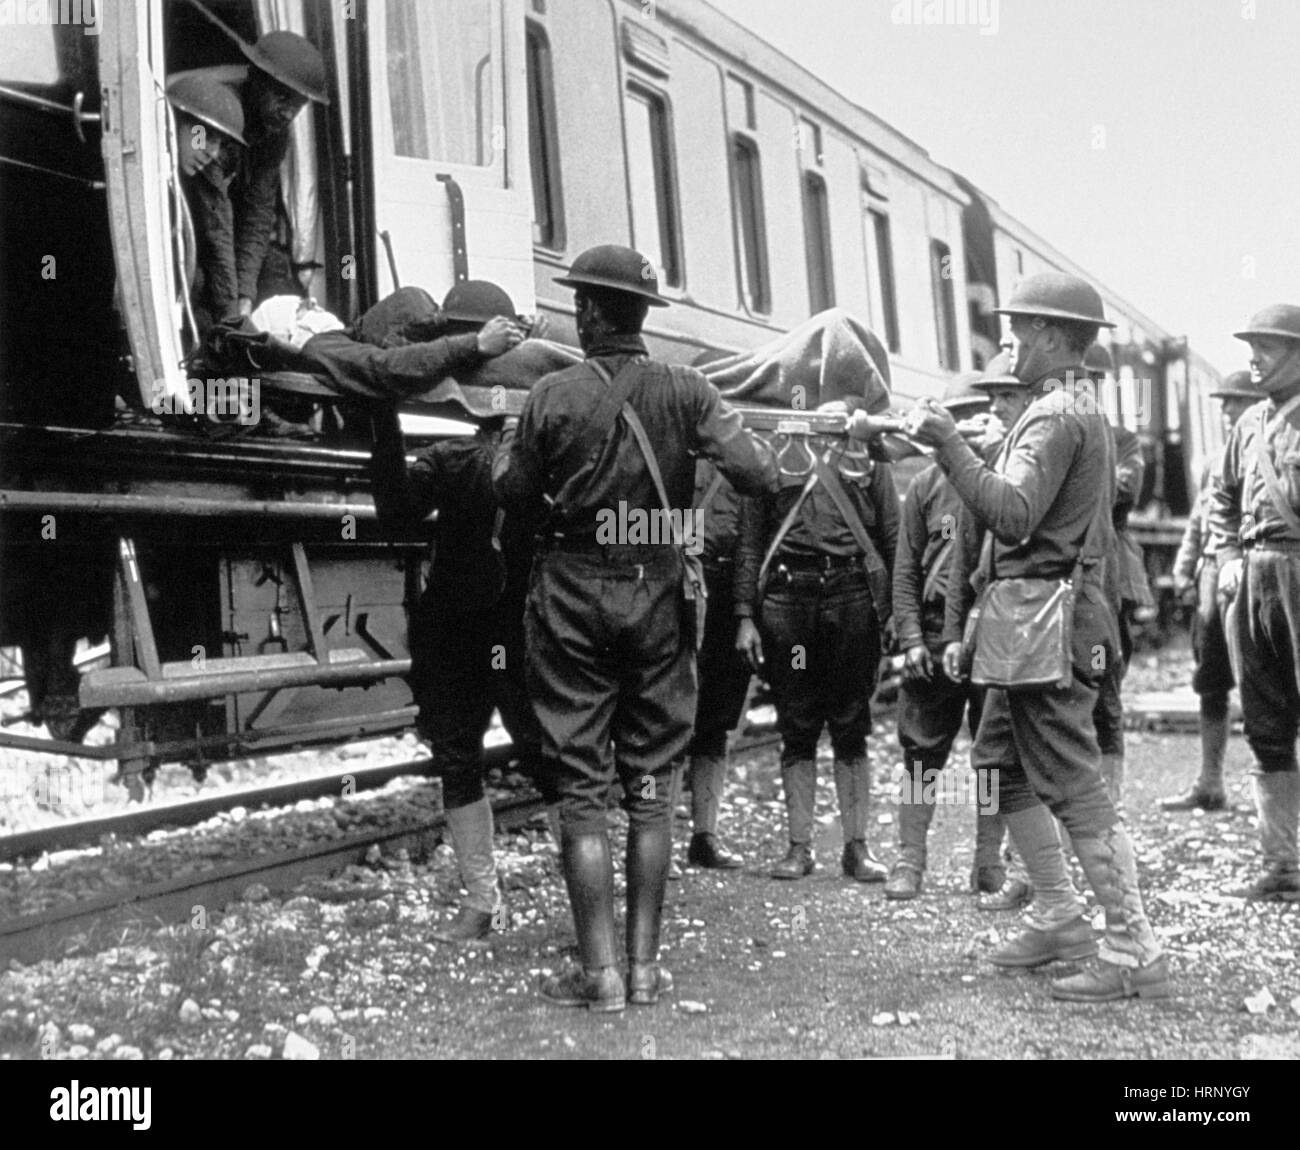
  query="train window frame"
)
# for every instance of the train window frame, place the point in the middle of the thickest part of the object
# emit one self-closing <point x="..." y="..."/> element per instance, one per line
<point x="664" y="168"/>
<point x="543" y="140"/>
<point x="944" y="296"/>
<point x="882" y="245"/>
<point x="753" y="265"/>
<point x="819" y="254"/>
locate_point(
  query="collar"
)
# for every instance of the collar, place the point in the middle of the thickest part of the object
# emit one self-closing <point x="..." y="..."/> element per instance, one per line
<point x="618" y="345"/>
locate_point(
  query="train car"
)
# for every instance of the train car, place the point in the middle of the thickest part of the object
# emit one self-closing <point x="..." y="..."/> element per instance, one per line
<point x="250" y="598"/>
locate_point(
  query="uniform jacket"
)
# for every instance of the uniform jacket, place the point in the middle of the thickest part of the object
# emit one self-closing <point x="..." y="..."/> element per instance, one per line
<point x="926" y="537"/>
<point x="721" y="516"/>
<point x="1197" y="548"/>
<point x="233" y="201"/>
<point x="549" y="473"/>
<point x="390" y="372"/>
<point x="819" y="530"/>
<point x="1241" y="509"/>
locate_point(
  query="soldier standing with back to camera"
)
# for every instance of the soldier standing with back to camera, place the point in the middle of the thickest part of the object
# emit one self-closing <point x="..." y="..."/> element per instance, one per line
<point x="813" y="596"/>
<point x="611" y="638"/>
<point x="1196" y="581"/>
<point x="931" y="706"/>
<point x="1255" y="517"/>
<point x="1041" y="506"/>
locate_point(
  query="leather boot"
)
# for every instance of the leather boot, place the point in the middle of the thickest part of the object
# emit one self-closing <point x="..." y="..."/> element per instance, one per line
<point x="1107" y="859"/>
<point x="589" y="875"/>
<point x="988" y="872"/>
<point x="648" y="851"/>
<point x="906" y="876"/>
<point x="471" y="839"/>
<point x="853" y="789"/>
<point x="1034" y="833"/>
<point x="799" y="782"/>
<point x="708" y="775"/>
<point x="1207" y="793"/>
<point x="1112" y="774"/>
<point x="1277" y="798"/>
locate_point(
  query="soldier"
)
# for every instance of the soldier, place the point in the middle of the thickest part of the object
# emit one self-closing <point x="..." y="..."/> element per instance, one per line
<point x="467" y="635"/>
<point x="723" y="672"/>
<point x="601" y="446"/>
<point x="233" y="197"/>
<point x="1196" y="578"/>
<point x="812" y="567"/>
<point x="1255" y="517"/>
<point x="930" y="705"/>
<point x="1041" y="507"/>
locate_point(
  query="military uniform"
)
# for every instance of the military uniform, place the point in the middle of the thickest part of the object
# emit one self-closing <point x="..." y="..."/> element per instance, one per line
<point x="1263" y="621"/>
<point x="611" y="636"/>
<point x="821" y="616"/>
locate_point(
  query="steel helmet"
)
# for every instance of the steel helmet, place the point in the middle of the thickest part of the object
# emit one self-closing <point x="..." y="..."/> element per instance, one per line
<point x="1098" y="360"/>
<point x="998" y="373"/>
<point x="1279" y="319"/>
<point x="960" y="392"/>
<point x="615" y="268"/>
<point x="1055" y="295"/>
<point x="1238" y="385"/>
<point x="208" y="100"/>
<point x="477" y="301"/>
<point x="293" y="61"/>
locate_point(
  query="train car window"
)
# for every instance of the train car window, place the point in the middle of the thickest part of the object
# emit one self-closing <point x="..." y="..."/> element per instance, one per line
<point x="881" y="248"/>
<point x="543" y="143"/>
<point x="441" y="89"/>
<point x="810" y="142"/>
<point x="651" y="187"/>
<point x="945" y="308"/>
<point x="817" y="243"/>
<point x="28" y="55"/>
<point x="740" y="103"/>
<point x="747" y="198"/>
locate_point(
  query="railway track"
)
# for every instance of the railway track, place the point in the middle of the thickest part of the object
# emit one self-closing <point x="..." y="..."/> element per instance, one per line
<point x="91" y="923"/>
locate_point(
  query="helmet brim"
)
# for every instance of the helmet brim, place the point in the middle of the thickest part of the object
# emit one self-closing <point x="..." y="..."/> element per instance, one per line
<point x="258" y="60"/>
<point x="203" y="118"/>
<point x="653" y="297"/>
<point x="1268" y="332"/>
<point x="961" y="403"/>
<point x="1053" y="313"/>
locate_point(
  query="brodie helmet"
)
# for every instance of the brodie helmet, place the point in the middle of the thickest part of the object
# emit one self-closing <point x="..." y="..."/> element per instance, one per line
<point x="961" y="393"/>
<point x="1281" y="320"/>
<point x="477" y="301"/>
<point x="615" y="268"/>
<point x="1056" y="295"/>
<point x="1238" y="385"/>
<point x="208" y="100"/>
<point x="998" y="373"/>
<point x="1097" y="360"/>
<point x="291" y="60"/>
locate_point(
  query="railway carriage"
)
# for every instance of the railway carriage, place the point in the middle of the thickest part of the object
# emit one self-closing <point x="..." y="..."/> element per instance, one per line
<point x="250" y="599"/>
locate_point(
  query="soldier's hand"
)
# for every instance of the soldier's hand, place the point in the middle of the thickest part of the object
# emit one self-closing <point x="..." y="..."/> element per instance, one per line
<point x="1229" y="579"/>
<point x="930" y="423"/>
<point x="952" y="662"/>
<point x="1181" y="584"/>
<point x="918" y="667"/>
<point x="749" y="643"/>
<point x="535" y="326"/>
<point x="498" y="336"/>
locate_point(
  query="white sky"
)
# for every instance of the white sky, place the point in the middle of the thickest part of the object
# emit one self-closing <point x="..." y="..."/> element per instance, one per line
<point x="1188" y="209"/>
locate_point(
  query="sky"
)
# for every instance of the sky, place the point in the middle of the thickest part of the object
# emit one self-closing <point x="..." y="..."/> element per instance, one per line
<point x="1154" y="142"/>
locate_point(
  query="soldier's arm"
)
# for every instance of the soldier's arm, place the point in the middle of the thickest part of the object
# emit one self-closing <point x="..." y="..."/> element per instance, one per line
<point x="884" y="494"/>
<point x="751" y="543"/>
<point x="1013" y="504"/>
<point x="912" y="536"/>
<point x="256" y="218"/>
<point x="962" y="564"/>
<point x="1130" y="468"/>
<point x="1225" y="498"/>
<point x="721" y="436"/>
<point x="389" y="373"/>
<point x="518" y="478"/>
<point x="403" y="498"/>
<point x="1189" y="550"/>
<point x="214" y="236"/>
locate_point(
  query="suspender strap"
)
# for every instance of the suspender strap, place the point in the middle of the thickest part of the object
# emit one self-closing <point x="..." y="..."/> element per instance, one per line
<point x="871" y="557"/>
<point x="710" y="492"/>
<point x="1268" y="472"/>
<point x="784" y="529"/>
<point x="936" y="569"/>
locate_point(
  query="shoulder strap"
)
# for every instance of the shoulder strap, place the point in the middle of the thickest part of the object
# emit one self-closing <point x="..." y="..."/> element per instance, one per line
<point x="710" y="492"/>
<point x="936" y="568"/>
<point x="1271" y="481"/>
<point x="612" y="398"/>
<point x="784" y="530"/>
<point x="831" y="482"/>
<point x="643" y="441"/>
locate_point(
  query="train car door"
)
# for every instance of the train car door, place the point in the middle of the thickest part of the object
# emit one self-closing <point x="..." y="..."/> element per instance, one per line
<point x="137" y="169"/>
<point x="448" y="130"/>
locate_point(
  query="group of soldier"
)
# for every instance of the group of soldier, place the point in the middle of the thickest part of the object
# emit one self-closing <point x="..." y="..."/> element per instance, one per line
<point x="603" y="668"/>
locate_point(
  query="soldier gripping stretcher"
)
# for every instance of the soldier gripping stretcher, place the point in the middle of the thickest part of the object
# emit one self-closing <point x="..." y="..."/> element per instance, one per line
<point x="813" y="595"/>
<point x="611" y="636"/>
<point x="1196" y="581"/>
<point x="1255" y="517"/>
<point x="1041" y="505"/>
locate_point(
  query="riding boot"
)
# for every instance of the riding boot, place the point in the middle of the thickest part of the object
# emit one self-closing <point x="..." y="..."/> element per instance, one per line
<point x="1112" y="774"/>
<point x="988" y="872"/>
<point x="648" y="851"/>
<point x="853" y="789"/>
<point x="471" y="839"/>
<point x="905" y="878"/>
<point x="589" y="875"/>
<point x="1214" y="746"/>
<point x="708" y="775"/>
<point x="799" y="782"/>
<point x="1277" y="799"/>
